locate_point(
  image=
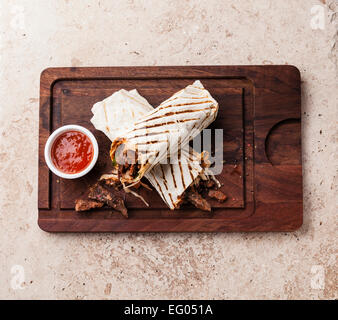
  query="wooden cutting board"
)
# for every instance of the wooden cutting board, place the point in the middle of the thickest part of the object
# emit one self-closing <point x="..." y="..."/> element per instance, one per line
<point x="259" y="112"/>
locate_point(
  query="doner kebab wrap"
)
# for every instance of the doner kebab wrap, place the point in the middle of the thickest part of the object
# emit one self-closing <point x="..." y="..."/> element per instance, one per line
<point x="170" y="180"/>
<point x="162" y="132"/>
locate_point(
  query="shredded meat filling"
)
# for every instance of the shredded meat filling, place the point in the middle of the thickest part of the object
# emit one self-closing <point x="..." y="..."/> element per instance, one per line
<point x="197" y="200"/>
<point x="218" y="195"/>
<point x="101" y="194"/>
<point x="85" y="205"/>
<point x="127" y="163"/>
<point x="205" y="188"/>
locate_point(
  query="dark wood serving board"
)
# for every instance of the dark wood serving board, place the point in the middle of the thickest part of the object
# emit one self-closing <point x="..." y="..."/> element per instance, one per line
<point x="259" y="112"/>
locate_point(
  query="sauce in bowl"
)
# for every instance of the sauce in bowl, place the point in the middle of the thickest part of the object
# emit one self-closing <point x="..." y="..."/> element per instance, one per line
<point x="72" y="152"/>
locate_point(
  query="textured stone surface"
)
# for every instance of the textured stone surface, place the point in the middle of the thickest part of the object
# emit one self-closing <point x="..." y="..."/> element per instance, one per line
<point x="37" y="34"/>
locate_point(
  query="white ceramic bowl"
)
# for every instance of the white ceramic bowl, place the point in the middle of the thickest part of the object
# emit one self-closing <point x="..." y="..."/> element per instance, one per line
<point x="49" y="145"/>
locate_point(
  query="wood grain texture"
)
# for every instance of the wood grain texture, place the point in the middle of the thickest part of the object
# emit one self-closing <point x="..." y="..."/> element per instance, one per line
<point x="260" y="117"/>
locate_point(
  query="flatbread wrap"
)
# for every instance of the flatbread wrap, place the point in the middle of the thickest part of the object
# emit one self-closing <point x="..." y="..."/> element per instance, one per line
<point x="169" y="180"/>
<point x="160" y="133"/>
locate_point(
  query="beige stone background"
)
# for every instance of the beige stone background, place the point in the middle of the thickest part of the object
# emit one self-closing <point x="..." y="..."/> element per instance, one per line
<point x="37" y="34"/>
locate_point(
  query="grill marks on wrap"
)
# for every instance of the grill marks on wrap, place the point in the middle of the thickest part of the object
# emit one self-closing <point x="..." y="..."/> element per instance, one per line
<point x="171" y="198"/>
<point x="166" y="185"/>
<point x="203" y="123"/>
<point x="190" y="171"/>
<point x="168" y="149"/>
<point x="190" y="97"/>
<point x="150" y="158"/>
<point x="163" y="176"/>
<point x="179" y="162"/>
<point x="158" y="185"/>
<point x="168" y="114"/>
<point x="173" y="175"/>
<point x="149" y="134"/>
<point x="171" y="113"/>
<point x="105" y="115"/>
<point x="163" y="106"/>
<point x="165" y="123"/>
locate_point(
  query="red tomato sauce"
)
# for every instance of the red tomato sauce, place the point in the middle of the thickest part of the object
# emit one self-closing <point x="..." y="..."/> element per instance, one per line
<point x="72" y="152"/>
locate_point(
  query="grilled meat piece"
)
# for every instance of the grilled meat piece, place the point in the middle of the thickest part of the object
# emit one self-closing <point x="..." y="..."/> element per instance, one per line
<point x="196" y="199"/>
<point x="85" y="205"/>
<point x="99" y="193"/>
<point x="218" y="195"/>
<point x="110" y="182"/>
<point x="210" y="184"/>
<point x="111" y="179"/>
<point x="127" y="163"/>
<point x="205" y="185"/>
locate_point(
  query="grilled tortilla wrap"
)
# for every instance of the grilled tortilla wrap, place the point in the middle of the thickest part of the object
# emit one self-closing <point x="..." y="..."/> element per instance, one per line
<point x="169" y="180"/>
<point x="162" y="132"/>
